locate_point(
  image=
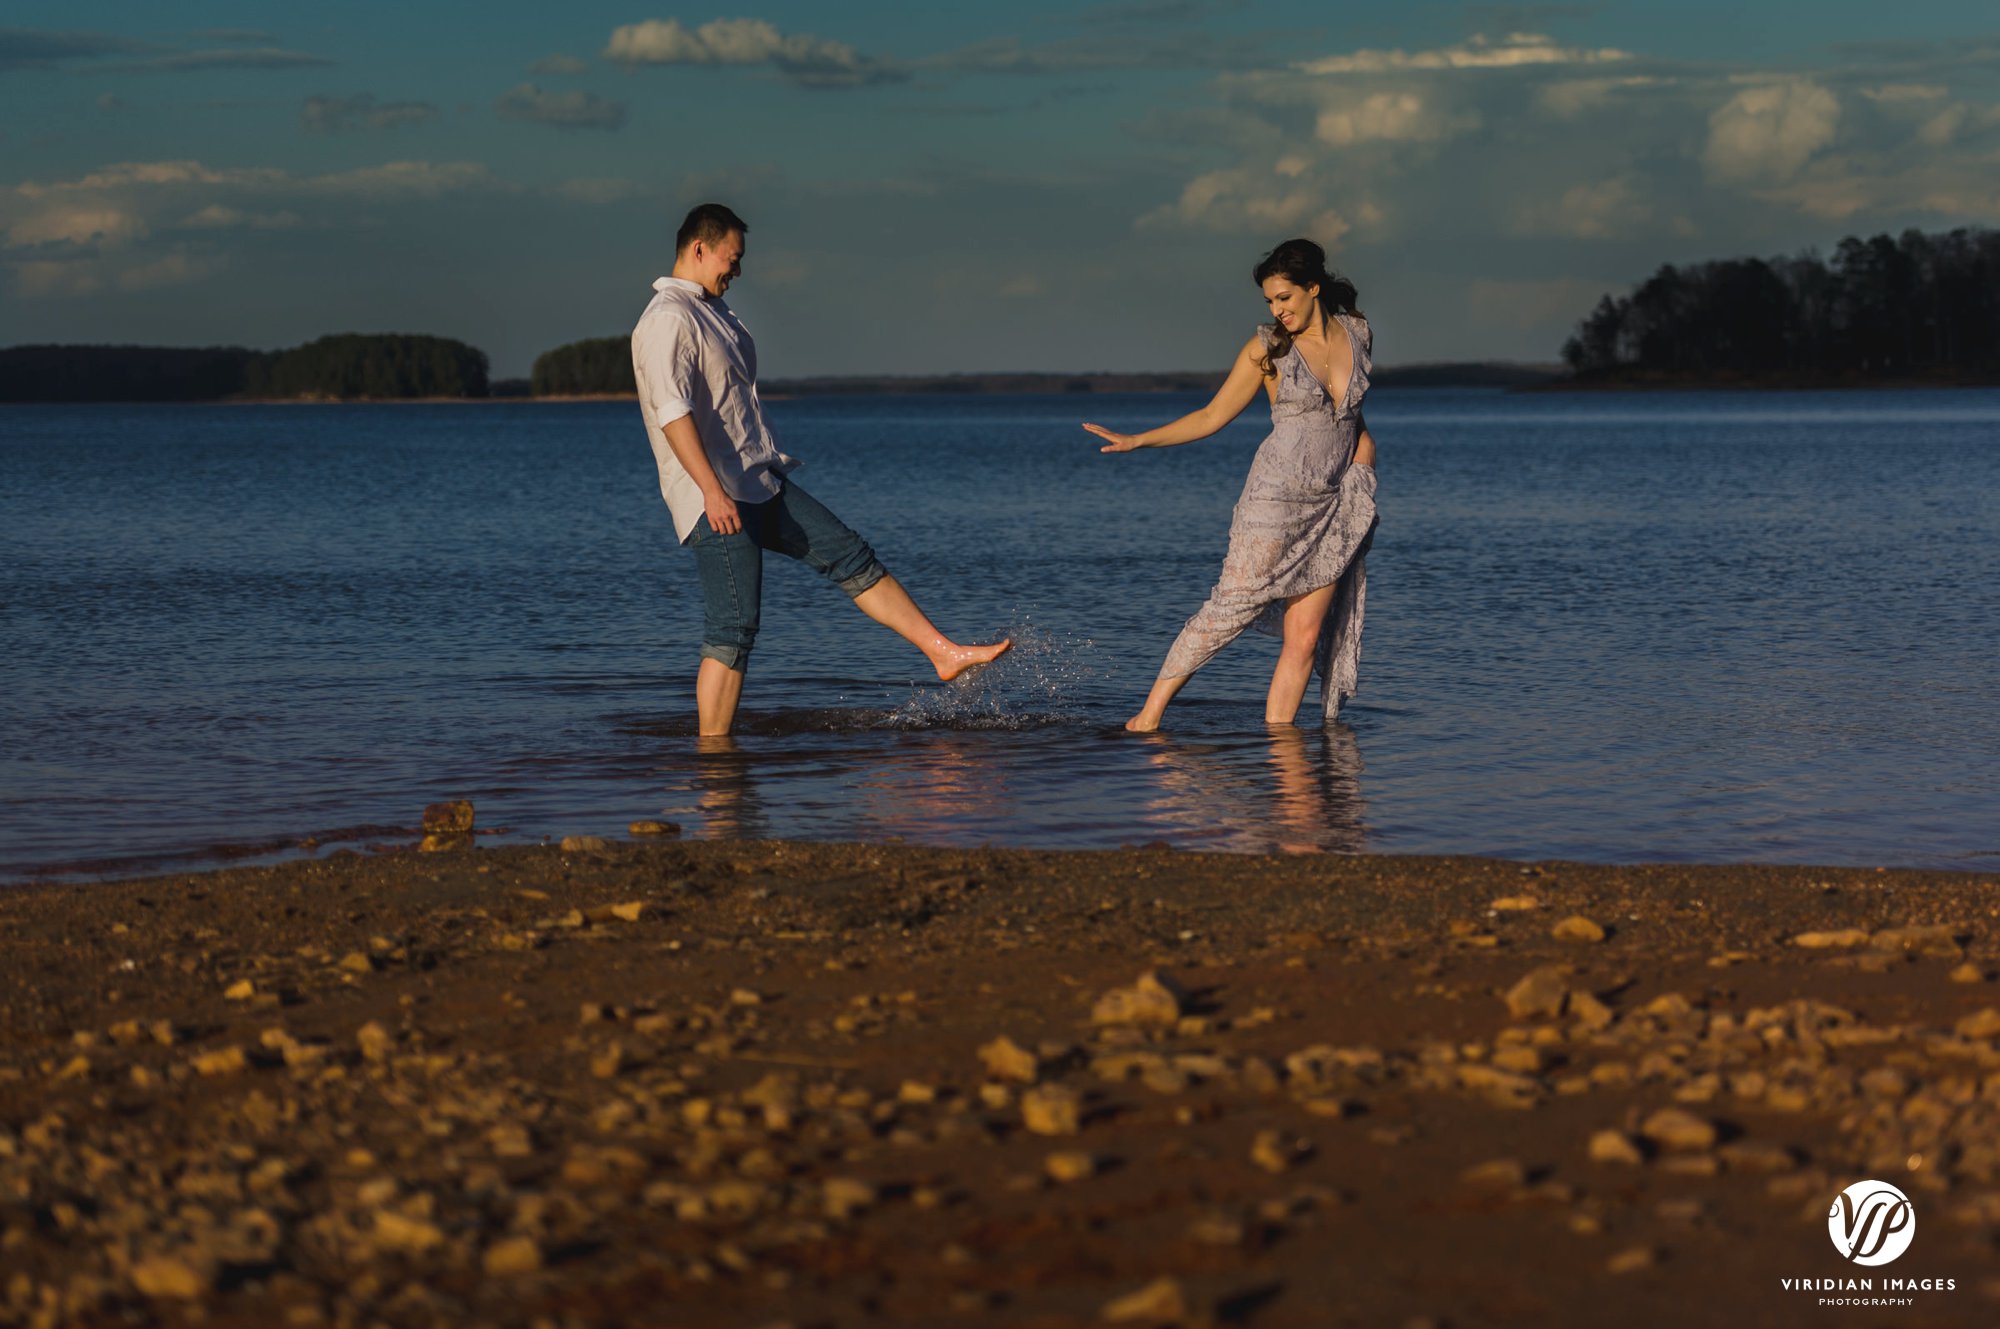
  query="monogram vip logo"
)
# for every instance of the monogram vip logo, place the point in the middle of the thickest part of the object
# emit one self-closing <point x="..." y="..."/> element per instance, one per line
<point x="1872" y="1222"/>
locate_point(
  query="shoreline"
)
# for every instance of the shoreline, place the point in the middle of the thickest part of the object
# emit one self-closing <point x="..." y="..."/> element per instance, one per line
<point x="863" y="1084"/>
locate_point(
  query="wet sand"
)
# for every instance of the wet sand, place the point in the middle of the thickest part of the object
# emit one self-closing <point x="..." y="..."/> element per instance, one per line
<point x="759" y="1084"/>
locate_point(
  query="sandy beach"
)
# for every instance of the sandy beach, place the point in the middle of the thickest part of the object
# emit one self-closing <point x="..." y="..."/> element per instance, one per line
<point x="760" y="1084"/>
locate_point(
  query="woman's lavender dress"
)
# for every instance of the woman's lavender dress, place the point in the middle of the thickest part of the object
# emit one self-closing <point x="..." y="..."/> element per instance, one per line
<point x="1303" y="522"/>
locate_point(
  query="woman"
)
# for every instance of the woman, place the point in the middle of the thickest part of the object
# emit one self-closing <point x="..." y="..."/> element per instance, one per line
<point x="1294" y="567"/>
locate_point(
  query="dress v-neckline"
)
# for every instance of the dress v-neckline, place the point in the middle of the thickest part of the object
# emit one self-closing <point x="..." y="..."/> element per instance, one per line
<point x="1353" y="363"/>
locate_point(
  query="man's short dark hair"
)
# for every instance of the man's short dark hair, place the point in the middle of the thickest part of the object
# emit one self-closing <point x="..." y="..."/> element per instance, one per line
<point x="710" y="223"/>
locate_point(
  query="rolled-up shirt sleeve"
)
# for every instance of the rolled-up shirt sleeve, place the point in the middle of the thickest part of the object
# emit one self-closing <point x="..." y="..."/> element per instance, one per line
<point x="663" y="358"/>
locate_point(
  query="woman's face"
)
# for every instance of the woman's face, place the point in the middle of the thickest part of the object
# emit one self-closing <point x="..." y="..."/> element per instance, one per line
<point x="1291" y="305"/>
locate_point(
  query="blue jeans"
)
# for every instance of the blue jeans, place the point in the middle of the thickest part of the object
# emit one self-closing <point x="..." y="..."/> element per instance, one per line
<point x="792" y="523"/>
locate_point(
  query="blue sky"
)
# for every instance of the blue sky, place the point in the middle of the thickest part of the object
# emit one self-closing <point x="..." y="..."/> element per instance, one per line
<point x="1033" y="186"/>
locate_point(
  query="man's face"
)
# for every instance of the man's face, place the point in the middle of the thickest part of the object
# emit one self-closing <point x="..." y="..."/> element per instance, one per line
<point x="716" y="265"/>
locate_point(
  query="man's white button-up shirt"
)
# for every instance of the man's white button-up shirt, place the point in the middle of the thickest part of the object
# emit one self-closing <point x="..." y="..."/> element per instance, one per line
<point x="693" y="356"/>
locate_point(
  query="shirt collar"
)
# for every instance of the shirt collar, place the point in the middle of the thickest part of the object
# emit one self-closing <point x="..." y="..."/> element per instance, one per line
<point x="694" y="288"/>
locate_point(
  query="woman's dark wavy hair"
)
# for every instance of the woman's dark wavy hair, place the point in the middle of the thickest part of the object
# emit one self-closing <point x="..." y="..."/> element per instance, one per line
<point x="1302" y="263"/>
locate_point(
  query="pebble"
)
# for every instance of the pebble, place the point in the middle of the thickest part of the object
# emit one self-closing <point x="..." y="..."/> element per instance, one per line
<point x="842" y="1197"/>
<point x="1968" y="973"/>
<point x="1632" y="1260"/>
<point x="164" y="1277"/>
<point x="374" y="1041"/>
<point x="1052" y="1109"/>
<point x="1577" y="928"/>
<point x="1588" y="1011"/>
<point x="1004" y="1059"/>
<point x="1843" y="939"/>
<point x="1935" y="939"/>
<point x="1161" y="1302"/>
<point x="511" y="1257"/>
<point x="585" y="844"/>
<point x="222" y="1061"/>
<point x="1275" y="1152"/>
<point x="1508" y="904"/>
<point x="1543" y="992"/>
<point x="1615" y="1147"/>
<point x="394" y="1231"/>
<point x="450" y="818"/>
<point x="241" y="990"/>
<point x="1499" y="1174"/>
<point x="654" y="828"/>
<point x="1980" y="1024"/>
<point x="1155" y="999"/>
<point x="1070" y="1165"/>
<point x="1218" y="1228"/>
<point x="1757" y="1156"/>
<point x="1671" y="1128"/>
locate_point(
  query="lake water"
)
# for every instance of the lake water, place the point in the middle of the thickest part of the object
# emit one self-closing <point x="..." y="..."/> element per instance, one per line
<point x="1695" y="627"/>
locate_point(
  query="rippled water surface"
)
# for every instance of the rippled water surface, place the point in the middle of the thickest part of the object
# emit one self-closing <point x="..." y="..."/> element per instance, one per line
<point x="1713" y="627"/>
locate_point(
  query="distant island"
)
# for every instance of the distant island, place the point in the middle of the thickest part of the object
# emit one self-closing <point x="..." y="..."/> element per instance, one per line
<point x="346" y="367"/>
<point x="1915" y="309"/>
<point x="394" y="367"/>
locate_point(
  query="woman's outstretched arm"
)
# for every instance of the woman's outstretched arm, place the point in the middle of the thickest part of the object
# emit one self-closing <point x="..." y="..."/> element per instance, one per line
<point x="1236" y="392"/>
<point x="1364" y="446"/>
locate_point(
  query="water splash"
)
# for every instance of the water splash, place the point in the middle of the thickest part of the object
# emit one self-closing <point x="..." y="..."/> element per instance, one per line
<point x="1033" y="684"/>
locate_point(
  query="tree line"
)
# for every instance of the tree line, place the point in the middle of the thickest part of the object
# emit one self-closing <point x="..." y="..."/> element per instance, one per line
<point x="1912" y="306"/>
<point x="345" y="367"/>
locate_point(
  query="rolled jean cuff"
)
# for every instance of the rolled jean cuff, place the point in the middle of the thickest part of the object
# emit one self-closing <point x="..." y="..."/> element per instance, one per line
<point x="863" y="579"/>
<point x="730" y="657"/>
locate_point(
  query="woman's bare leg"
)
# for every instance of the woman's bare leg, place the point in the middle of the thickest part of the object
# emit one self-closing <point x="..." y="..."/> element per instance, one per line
<point x="890" y="605"/>
<point x="1303" y="616"/>
<point x="1148" y="718"/>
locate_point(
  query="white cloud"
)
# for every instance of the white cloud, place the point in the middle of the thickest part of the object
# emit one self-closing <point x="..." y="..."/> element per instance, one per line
<point x="1240" y="201"/>
<point x="1514" y="51"/>
<point x="575" y="109"/>
<point x="46" y="278"/>
<point x="1894" y="93"/>
<point x="558" y="64"/>
<point x="1593" y="210"/>
<point x="178" y="268"/>
<point x="135" y="226"/>
<point x="807" y="60"/>
<point x="1766" y="134"/>
<point x="1569" y="98"/>
<point x="1390" y="117"/>
<point x="362" y="111"/>
<point x="76" y="225"/>
<point x="1956" y="189"/>
<point x="216" y="217"/>
<point x="263" y="57"/>
<point x="404" y="179"/>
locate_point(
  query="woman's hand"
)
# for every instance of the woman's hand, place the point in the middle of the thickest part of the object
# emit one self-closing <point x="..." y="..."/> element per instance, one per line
<point x="1114" y="441"/>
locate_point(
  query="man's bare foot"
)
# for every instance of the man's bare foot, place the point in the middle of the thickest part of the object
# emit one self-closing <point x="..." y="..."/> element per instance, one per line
<point x="955" y="660"/>
<point x="1143" y="723"/>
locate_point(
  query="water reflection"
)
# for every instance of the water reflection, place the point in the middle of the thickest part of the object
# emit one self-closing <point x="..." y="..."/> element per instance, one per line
<point x="725" y="788"/>
<point x="1303" y="798"/>
<point x="1284" y="790"/>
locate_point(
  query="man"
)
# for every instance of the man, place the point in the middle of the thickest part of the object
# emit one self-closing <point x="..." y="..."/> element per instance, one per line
<point x="725" y="480"/>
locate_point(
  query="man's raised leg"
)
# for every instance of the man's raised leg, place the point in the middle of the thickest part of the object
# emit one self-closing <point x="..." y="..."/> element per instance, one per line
<point x="890" y="605"/>
<point x="803" y="528"/>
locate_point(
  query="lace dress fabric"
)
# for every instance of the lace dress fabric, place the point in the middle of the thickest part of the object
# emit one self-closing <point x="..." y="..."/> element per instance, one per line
<point x="1304" y="521"/>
